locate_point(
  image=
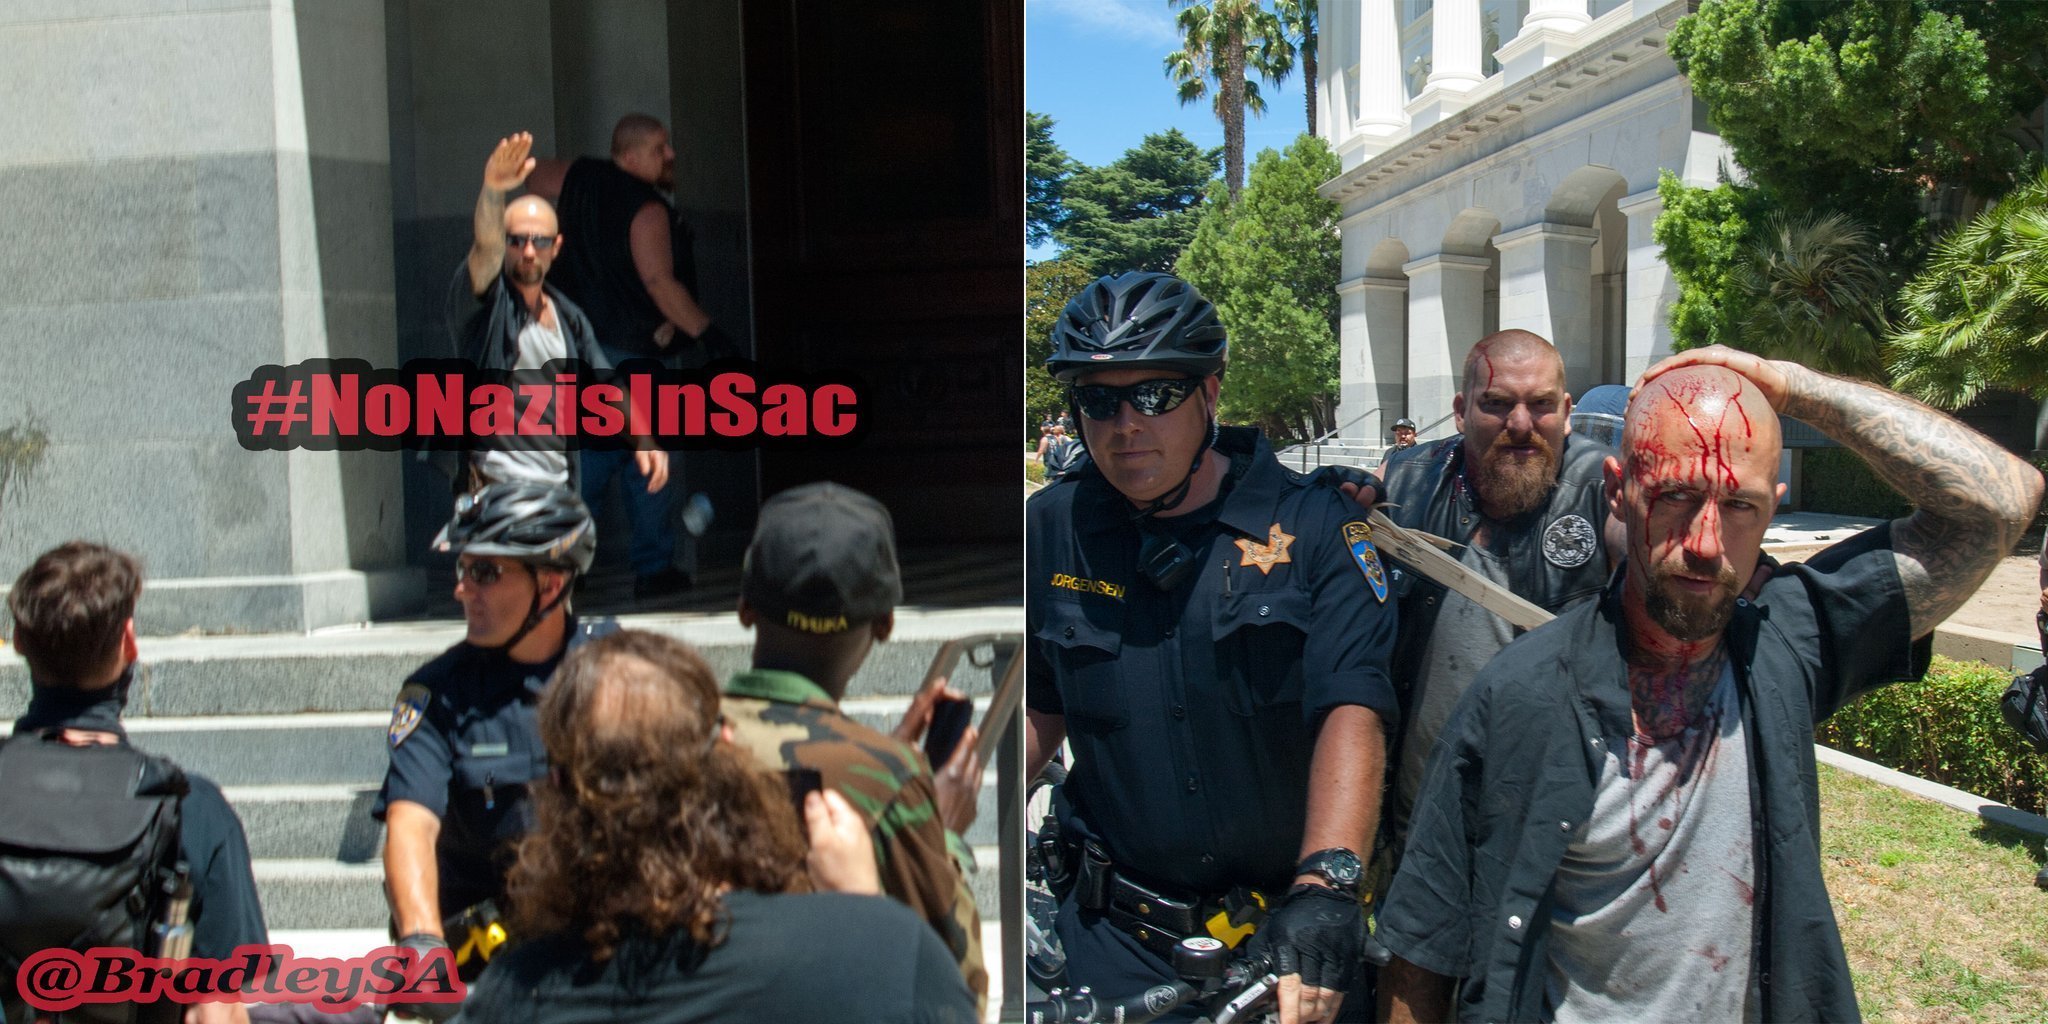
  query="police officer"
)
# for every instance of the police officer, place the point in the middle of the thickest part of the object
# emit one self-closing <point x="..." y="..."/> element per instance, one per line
<point x="1211" y="634"/>
<point x="464" y="737"/>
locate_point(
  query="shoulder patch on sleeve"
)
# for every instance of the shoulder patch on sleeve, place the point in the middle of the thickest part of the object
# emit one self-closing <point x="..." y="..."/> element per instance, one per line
<point x="406" y="714"/>
<point x="1358" y="537"/>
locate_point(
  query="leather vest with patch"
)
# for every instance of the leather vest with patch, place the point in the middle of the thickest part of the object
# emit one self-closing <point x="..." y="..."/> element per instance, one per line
<point x="1556" y="555"/>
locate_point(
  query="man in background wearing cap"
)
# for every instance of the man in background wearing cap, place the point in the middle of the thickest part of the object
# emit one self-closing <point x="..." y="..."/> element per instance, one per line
<point x="465" y="734"/>
<point x="819" y="587"/>
<point x="1404" y="433"/>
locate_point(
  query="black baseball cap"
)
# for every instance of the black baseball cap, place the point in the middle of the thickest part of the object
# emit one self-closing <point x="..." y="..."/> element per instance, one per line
<point x="823" y="560"/>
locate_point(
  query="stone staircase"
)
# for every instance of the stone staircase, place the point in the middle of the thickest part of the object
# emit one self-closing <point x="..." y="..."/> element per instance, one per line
<point x="1306" y="458"/>
<point x="293" y="730"/>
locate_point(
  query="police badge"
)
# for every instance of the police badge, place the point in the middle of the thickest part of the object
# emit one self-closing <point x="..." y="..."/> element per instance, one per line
<point x="1570" y="541"/>
<point x="406" y="714"/>
<point x="1358" y="537"/>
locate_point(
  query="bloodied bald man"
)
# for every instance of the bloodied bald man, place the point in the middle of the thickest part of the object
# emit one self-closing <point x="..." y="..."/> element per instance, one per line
<point x="1620" y="821"/>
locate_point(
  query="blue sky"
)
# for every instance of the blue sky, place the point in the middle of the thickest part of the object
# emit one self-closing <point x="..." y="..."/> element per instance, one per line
<point x="1095" y="67"/>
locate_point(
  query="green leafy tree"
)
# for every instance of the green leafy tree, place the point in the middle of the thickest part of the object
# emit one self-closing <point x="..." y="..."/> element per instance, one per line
<point x="1704" y="234"/>
<point x="1229" y="41"/>
<point x="1048" y="285"/>
<point x="1138" y="212"/>
<point x="1977" y="319"/>
<point x="1302" y="21"/>
<point x="1046" y="169"/>
<point x="1270" y="262"/>
<point x="1899" y="115"/>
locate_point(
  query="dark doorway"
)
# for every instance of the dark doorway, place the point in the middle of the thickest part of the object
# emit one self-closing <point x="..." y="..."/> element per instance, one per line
<point x="885" y="185"/>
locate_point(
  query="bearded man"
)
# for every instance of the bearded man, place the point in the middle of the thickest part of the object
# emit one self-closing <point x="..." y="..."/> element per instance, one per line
<point x="1620" y="821"/>
<point x="1524" y="500"/>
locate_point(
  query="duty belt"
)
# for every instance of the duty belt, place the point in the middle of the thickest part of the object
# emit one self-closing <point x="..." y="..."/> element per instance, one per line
<point x="1157" y="919"/>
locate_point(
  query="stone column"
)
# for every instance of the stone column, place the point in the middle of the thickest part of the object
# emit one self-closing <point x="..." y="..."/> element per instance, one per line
<point x="1546" y="286"/>
<point x="1373" y="356"/>
<point x="1455" y="42"/>
<point x="1651" y="289"/>
<point x="1446" y="316"/>
<point x="1381" y="97"/>
<point x="210" y="189"/>
<point x="1548" y="33"/>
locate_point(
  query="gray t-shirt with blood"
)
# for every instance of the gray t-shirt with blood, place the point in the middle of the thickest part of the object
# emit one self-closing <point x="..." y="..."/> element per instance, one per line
<point x="1654" y="915"/>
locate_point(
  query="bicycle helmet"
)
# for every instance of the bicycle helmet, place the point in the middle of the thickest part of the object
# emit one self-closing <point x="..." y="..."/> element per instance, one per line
<point x="531" y="523"/>
<point x="1138" y="319"/>
<point x="535" y="523"/>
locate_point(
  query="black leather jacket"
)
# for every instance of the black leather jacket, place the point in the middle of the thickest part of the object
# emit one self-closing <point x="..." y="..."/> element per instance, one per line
<point x="1556" y="555"/>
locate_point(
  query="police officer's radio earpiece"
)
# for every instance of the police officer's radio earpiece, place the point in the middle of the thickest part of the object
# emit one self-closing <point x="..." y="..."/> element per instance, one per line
<point x="1164" y="562"/>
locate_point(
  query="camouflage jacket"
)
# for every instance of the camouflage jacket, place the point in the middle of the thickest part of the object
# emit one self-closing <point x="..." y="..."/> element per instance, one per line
<point x="788" y="721"/>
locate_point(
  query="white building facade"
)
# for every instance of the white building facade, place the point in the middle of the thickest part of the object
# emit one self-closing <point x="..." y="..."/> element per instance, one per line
<point x="1500" y="164"/>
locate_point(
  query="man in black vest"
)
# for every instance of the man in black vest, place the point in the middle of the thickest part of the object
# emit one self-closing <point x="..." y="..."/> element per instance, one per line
<point x="1523" y="498"/>
<point x="634" y="274"/>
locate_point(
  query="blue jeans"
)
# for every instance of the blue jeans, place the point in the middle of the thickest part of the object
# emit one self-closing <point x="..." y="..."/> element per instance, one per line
<point x="652" y="516"/>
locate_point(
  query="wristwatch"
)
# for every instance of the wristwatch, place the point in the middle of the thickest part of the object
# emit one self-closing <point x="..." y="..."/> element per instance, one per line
<point x="1338" y="866"/>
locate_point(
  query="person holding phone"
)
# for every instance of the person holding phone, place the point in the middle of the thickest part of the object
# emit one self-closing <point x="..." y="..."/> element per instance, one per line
<point x="819" y="588"/>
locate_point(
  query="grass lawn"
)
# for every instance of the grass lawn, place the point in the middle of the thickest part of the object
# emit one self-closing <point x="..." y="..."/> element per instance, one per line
<point x="1938" y="910"/>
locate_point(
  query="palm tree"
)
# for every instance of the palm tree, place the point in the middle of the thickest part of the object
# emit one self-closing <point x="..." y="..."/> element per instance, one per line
<point x="1227" y="40"/>
<point x="1301" y="21"/>
<point x="1977" y="317"/>
<point x="1818" y="295"/>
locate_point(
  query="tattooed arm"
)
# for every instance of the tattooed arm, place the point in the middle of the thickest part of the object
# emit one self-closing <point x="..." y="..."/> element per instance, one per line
<point x="504" y="171"/>
<point x="1974" y="498"/>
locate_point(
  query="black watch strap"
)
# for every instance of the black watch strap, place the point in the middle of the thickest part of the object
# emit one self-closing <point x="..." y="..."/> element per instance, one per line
<point x="1338" y="867"/>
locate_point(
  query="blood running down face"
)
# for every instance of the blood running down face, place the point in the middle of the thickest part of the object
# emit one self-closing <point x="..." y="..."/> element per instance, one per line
<point x="1695" y="488"/>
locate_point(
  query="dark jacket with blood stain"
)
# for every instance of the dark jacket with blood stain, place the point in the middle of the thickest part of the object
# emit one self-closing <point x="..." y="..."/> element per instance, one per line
<point x="1516" y="768"/>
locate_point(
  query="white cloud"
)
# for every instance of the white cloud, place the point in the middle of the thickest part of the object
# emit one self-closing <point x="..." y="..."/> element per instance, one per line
<point x="1139" y="21"/>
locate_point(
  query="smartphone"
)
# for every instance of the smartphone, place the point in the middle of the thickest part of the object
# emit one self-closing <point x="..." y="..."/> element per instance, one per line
<point x="802" y="783"/>
<point x="950" y="717"/>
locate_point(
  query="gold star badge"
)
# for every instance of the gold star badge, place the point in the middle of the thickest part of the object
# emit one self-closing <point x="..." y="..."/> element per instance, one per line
<point x="1266" y="555"/>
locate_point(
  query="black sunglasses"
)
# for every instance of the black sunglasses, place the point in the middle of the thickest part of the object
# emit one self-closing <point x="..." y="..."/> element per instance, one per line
<point x="483" y="574"/>
<point x="541" y="243"/>
<point x="1149" y="398"/>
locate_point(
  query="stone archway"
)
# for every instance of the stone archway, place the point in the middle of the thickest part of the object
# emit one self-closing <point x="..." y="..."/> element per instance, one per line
<point x="1547" y="272"/>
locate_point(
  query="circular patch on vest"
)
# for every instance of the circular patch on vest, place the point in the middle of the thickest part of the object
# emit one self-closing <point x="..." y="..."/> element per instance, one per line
<point x="1569" y="541"/>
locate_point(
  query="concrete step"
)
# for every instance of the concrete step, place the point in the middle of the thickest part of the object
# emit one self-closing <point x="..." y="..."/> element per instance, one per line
<point x="360" y="668"/>
<point x="337" y="746"/>
<point x="332" y="821"/>
<point x="307" y="893"/>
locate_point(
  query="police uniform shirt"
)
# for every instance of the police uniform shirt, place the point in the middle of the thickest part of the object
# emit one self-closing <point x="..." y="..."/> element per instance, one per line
<point x="465" y="743"/>
<point x="1193" y="712"/>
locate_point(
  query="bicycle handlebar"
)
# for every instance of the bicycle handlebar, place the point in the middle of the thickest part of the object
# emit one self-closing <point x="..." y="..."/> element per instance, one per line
<point x="1082" y="1006"/>
<point x="1249" y="979"/>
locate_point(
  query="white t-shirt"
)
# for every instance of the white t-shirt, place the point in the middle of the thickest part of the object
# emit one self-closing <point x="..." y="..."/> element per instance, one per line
<point x="1655" y="914"/>
<point x="541" y="460"/>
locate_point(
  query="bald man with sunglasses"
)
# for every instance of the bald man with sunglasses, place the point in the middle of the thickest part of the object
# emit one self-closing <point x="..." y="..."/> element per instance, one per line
<point x="1210" y="633"/>
<point x="521" y="324"/>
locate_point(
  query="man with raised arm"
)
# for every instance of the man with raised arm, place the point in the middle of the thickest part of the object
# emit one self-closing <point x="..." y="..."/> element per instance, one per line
<point x="522" y="323"/>
<point x="1621" y="820"/>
